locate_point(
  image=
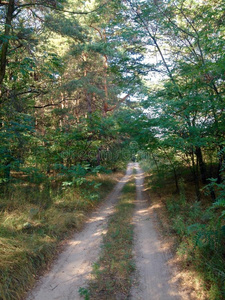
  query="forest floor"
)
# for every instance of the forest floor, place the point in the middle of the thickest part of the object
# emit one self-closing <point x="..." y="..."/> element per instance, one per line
<point x="154" y="277"/>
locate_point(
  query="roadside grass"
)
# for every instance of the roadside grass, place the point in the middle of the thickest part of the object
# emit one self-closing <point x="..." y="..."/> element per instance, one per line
<point x="33" y="223"/>
<point x="111" y="276"/>
<point x="194" y="231"/>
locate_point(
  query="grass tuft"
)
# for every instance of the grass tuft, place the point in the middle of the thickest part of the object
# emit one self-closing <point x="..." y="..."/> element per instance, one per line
<point x="112" y="273"/>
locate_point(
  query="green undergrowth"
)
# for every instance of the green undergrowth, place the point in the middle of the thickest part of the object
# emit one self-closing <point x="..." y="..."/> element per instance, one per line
<point x="199" y="231"/>
<point x="111" y="276"/>
<point x="33" y="222"/>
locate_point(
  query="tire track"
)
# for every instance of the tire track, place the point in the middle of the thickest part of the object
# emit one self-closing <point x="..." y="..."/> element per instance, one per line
<point x="153" y="274"/>
<point x="73" y="267"/>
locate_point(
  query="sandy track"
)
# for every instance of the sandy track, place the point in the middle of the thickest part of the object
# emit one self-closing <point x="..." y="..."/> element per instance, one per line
<point x="153" y="272"/>
<point x="73" y="267"/>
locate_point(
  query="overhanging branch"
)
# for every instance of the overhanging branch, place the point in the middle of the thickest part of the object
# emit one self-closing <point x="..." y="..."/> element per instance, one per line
<point x="49" y="104"/>
<point x="61" y="10"/>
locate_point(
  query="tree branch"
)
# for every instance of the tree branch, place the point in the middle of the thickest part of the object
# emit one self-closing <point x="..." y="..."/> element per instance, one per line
<point x="50" y="104"/>
<point x="143" y="23"/>
<point x="3" y="3"/>
<point x="62" y="10"/>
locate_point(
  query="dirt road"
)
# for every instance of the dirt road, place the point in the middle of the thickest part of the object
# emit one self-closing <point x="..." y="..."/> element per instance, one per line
<point x="151" y="259"/>
<point x="73" y="267"/>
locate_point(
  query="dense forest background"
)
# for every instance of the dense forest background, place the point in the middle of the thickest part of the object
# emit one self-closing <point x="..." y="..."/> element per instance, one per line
<point x="86" y="86"/>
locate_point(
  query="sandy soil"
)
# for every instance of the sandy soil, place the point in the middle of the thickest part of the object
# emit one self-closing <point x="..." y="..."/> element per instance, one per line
<point x="154" y="277"/>
<point x="73" y="267"/>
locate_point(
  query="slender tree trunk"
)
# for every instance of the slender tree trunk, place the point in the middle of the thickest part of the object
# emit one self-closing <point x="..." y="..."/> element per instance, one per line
<point x="89" y="106"/>
<point x="99" y="157"/>
<point x="157" y="168"/>
<point x="212" y="191"/>
<point x="156" y="163"/>
<point x="5" y="44"/>
<point x="174" y="171"/>
<point x="196" y="176"/>
<point x="102" y="35"/>
<point x="155" y="42"/>
<point x="87" y="93"/>
<point x="201" y="163"/>
<point x="203" y="171"/>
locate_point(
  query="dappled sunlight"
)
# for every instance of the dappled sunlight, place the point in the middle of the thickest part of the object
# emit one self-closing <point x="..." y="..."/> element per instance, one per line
<point x="140" y="175"/>
<point x="147" y="189"/>
<point x="100" y="233"/>
<point x="154" y="206"/>
<point x="95" y="220"/>
<point x="188" y="280"/>
<point x="74" y="242"/>
<point x="143" y="212"/>
<point x="151" y="255"/>
<point x="74" y="265"/>
<point x="180" y="281"/>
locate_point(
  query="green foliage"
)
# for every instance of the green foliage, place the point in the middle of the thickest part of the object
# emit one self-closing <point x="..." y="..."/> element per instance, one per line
<point x="111" y="274"/>
<point x="85" y="293"/>
<point x="63" y="117"/>
<point x="66" y="26"/>
<point x="201" y="236"/>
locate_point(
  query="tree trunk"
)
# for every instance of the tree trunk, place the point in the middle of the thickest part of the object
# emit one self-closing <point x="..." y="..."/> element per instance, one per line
<point x="156" y="163"/>
<point x="174" y="171"/>
<point x="5" y="44"/>
<point x="221" y="159"/>
<point x="201" y="163"/>
<point x="195" y="175"/>
<point x="89" y="104"/>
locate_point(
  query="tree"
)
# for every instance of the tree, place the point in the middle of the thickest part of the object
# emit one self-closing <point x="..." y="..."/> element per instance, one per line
<point x="189" y="101"/>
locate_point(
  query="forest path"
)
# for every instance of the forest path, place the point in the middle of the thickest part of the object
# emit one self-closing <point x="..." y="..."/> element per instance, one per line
<point x="154" y="277"/>
<point x="73" y="267"/>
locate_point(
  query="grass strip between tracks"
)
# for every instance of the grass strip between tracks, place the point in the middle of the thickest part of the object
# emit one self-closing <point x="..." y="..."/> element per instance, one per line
<point x="111" y="276"/>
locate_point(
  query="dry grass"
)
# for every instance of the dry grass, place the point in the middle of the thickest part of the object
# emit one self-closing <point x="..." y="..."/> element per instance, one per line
<point x="32" y="225"/>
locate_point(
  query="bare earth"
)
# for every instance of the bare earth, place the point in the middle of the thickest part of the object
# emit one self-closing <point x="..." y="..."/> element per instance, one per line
<point x="154" y="278"/>
<point x="73" y="267"/>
